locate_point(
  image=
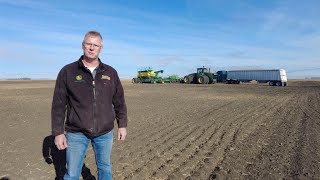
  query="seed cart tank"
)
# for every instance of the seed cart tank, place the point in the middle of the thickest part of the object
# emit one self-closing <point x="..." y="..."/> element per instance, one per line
<point x="148" y="76"/>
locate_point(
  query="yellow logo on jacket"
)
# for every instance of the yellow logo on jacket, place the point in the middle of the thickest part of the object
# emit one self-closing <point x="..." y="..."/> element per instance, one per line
<point x="105" y="77"/>
<point x="79" y="77"/>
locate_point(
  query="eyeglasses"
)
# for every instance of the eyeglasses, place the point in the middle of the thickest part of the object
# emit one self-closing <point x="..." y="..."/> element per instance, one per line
<point x="89" y="45"/>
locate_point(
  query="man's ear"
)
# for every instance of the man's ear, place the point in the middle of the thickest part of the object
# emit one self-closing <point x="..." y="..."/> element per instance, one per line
<point x="82" y="45"/>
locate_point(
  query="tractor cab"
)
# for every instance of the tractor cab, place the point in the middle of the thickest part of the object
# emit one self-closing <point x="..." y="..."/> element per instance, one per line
<point x="202" y="70"/>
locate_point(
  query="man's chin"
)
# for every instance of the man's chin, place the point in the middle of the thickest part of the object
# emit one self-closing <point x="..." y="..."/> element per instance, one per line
<point x="91" y="57"/>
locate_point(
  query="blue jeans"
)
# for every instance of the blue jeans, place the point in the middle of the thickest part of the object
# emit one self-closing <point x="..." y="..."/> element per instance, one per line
<point x="77" y="148"/>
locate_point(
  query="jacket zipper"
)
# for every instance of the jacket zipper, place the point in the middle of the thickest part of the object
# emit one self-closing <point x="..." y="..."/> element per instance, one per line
<point x="94" y="104"/>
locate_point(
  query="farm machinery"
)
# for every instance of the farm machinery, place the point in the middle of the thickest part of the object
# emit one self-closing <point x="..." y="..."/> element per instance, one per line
<point x="148" y="76"/>
<point x="172" y="79"/>
<point x="275" y="77"/>
<point x="202" y="76"/>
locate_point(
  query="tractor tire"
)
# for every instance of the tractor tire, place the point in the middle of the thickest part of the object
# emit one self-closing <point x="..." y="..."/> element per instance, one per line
<point x="200" y="80"/>
<point x="206" y="79"/>
<point x="187" y="79"/>
<point x="134" y="80"/>
<point x="203" y="80"/>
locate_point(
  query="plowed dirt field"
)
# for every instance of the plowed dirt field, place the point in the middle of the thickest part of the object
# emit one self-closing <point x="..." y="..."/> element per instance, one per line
<point x="180" y="131"/>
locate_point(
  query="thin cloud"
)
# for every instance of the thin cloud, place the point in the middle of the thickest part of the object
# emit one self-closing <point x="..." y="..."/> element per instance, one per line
<point x="213" y="33"/>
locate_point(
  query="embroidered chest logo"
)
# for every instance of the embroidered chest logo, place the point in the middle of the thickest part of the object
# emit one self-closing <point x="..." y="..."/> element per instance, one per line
<point x="79" y="79"/>
<point x="105" y="77"/>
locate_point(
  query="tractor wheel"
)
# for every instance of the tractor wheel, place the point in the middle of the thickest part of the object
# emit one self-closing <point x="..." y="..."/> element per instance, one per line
<point x="203" y="80"/>
<point x="200" y="80"/>
<point x="134" y="80"/>
<point x="187" y="79"/>
<point x="206" y="79"/>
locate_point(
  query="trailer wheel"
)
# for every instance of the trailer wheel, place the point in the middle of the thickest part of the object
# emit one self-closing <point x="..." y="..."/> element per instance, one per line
<point x="271" y="83"/>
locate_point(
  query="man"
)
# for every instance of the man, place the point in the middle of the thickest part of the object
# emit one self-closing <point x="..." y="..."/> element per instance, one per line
<point x="88" y="97"/>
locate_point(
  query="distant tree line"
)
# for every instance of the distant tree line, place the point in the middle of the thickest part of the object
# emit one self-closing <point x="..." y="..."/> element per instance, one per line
<point x="22" y="78"/>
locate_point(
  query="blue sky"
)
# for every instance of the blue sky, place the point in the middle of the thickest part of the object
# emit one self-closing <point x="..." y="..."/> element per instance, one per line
<point x="38" y="38"/>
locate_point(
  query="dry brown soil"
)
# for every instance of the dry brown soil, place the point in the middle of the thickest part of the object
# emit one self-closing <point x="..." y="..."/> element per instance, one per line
<point x="179" y="131"/>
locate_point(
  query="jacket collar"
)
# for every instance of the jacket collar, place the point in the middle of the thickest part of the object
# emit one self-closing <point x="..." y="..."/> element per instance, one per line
<point x="100" y="67"/>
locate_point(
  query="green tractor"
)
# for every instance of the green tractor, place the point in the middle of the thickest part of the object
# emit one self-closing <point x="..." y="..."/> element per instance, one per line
<point x="202" y="76"/>
<point x="148" y="76"/>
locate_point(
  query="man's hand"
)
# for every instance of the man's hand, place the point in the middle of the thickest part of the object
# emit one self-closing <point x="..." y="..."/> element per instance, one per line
<point x="122" y="133"/>
<point x="61" y="141"/>
<point x="49" y="160"/>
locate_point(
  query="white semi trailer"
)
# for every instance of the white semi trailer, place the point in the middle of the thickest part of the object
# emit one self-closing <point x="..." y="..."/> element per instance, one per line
<point x="275" y="77"/>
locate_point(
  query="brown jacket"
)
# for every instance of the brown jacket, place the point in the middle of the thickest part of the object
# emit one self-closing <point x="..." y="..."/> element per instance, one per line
<point x="82" y="103"/>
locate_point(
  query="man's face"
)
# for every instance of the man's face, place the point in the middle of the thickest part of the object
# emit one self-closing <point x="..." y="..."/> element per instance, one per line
<point x="92" y="46"/>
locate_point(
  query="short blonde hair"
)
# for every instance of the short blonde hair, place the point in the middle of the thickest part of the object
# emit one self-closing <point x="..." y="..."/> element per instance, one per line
<point x="93" y="33"/>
